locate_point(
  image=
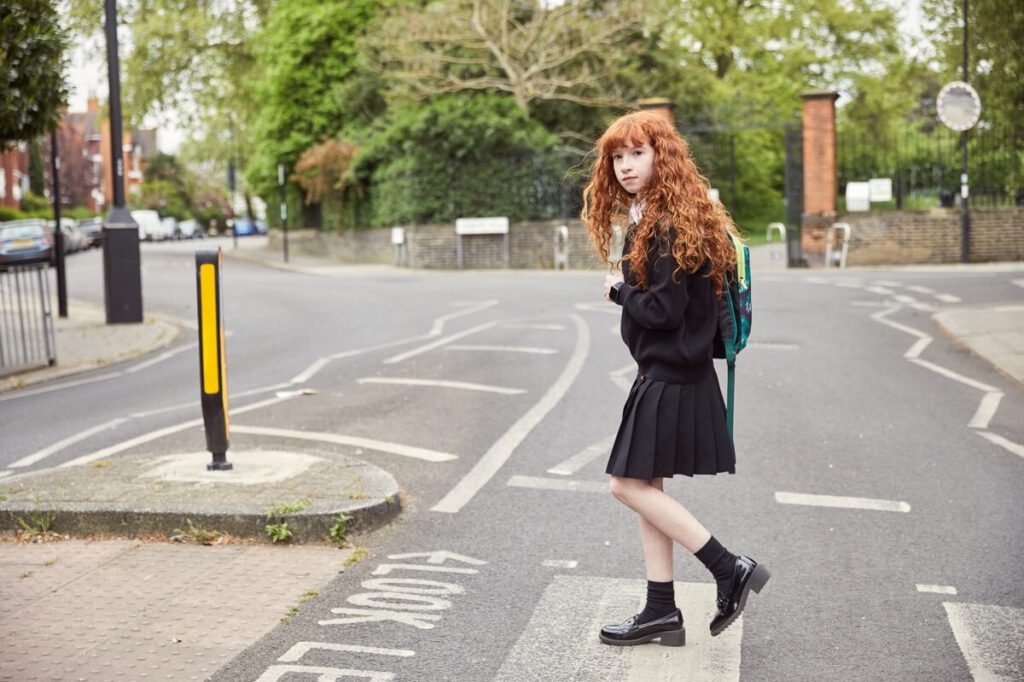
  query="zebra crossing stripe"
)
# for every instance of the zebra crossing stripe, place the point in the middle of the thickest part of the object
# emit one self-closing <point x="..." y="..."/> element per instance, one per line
<point x="561" y="642"/>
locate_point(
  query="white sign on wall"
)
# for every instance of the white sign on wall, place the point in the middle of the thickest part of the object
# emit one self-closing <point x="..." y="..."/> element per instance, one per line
<point x="481" y="226"/>
<point x="880" y="189"/>
<point x="397" y="235"/>
<point x="858" y="196"/>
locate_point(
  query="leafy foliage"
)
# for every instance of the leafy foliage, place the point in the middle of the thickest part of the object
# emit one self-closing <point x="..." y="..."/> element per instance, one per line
<point x="33" y="63"/>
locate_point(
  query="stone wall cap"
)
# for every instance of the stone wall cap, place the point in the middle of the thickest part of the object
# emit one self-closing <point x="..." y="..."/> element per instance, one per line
<point x="820" y="94"/>
<point x="655" y="102"/>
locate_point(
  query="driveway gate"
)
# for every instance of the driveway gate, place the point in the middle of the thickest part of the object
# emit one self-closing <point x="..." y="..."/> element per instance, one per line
<point x="27" y="337"/>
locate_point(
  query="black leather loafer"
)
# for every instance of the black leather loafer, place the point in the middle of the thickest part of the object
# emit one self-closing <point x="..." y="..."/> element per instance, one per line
<point x="668" y="630"/>
<point x="747" y="575"/>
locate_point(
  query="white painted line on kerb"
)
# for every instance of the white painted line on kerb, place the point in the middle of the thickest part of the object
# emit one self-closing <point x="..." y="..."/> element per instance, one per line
<point x="583" y="457"/>
<point x="504" y="349"/>
<point x="948" y="298"/>
<point x="548" y="327"/>
<point x="937" y="589"/>
<point x="498" y="454"/>
<point x="161" y="357"/>
<point x="299" y="649"/>
<point x="160" y="433"/>
<point x="570" y="485"/>
<point x="436" y="383"/>
<point x="60" y="445"/>
<point x="989" y="638"/>
<point x="559" y="563"/>
<point x="437" y="344"/>
<point x="1004" y="443"/>
<point x="842" y="502"/>
<point x="354" y="441"/>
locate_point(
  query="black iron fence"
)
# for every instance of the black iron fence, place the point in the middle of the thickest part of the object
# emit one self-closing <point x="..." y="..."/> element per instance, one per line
<point x="925" y="166"/>
<point x="27" y="336"/>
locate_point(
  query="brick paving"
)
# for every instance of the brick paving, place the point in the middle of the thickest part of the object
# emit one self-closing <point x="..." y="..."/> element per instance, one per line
<point x="128" y="610"/>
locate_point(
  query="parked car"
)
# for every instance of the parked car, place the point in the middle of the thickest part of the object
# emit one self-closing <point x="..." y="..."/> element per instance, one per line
<point x="189" y="229"/>
<point x="25" y="241"/>
<point x="247" y="225"/>
<point x="72" y="238"/>
<point x="93" y="229"/>
<point x="150" y="226"/>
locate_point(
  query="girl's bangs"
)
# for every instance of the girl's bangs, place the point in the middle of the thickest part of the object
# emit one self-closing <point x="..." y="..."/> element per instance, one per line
<point x="624" y="132"/>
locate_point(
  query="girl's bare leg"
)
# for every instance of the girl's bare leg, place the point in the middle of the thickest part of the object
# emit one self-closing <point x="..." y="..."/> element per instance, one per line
<point x="662" y="512"/>
<point x="657" y="547"/>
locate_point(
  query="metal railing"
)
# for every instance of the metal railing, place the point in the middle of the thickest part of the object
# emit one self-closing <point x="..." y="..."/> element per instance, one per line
<point x="27" y="337"/>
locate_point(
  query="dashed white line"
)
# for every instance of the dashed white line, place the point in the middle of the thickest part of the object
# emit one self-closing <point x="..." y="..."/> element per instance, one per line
<point x="437" y="383"/>
<point x="354" y="441"/>
<point x="583" y="457"/>
<point x="559" y="563"/>
<point x="498" y="454"/>
<point x="840" y="502"/>
<point x="882" y="291"/>
<point x="548" y="327"/>
<point x="948" y="298"/>
<point x="920" y="289"/>
<point x="1009" y="445"/>
<point x="60" y="445"/>
<point x="937" y="589"/>
<point x="572" y="485"/>
<point x="887" y="283"/>
<point x="504" y="349"/>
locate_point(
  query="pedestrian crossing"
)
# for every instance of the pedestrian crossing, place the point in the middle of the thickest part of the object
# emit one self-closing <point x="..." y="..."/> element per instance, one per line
<point x="560" y="641"/>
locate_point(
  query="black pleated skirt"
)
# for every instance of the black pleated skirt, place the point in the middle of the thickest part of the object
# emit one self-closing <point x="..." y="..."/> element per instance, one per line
<point x="671" y="428"/>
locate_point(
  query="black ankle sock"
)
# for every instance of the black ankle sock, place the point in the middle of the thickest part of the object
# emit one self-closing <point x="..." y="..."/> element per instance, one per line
<point x="661" y="601"/>
<point x="718" y="560"/>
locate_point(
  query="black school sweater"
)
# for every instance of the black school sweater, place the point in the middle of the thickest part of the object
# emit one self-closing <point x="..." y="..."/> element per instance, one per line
<point x="670" y="328"/>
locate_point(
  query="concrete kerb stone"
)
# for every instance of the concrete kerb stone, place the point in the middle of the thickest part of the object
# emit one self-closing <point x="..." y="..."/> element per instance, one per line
<point x="144" y="495"/>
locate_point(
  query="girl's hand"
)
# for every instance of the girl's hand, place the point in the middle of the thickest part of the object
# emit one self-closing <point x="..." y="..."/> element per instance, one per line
<point x="609" y="281"/>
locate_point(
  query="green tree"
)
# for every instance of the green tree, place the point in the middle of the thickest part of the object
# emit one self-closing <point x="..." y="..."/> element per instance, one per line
<point x="33" y="64"/>
<point x="312" y="86"/>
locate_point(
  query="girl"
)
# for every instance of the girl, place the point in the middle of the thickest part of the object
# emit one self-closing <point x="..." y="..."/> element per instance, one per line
<point x="674" y="262"/>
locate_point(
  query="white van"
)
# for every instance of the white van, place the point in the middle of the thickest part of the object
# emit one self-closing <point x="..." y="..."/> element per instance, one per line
<point x="150" y="227"/>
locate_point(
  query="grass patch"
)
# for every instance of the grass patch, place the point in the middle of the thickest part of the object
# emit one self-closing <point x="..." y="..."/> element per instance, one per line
<point x="38" y="526"/>
<point x="302" y="600"/>
<point x="357" y="555"/>
<point x="277" y="530"/>
<point x="338" y="533"/>
<point x="198" y="534"/>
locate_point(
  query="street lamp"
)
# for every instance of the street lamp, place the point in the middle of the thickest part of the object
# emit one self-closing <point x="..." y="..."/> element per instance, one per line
<point x="122" y="267"/>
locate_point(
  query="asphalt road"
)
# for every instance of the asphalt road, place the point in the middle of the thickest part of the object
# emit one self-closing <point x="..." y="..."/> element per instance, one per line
<point x="507" y="559"/>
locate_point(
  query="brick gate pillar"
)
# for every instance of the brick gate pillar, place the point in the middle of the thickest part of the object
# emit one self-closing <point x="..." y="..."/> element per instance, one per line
<point x="819" y="156"/>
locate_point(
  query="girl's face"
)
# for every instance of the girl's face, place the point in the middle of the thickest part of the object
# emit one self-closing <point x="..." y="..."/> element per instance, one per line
<point x="634" y="166"/>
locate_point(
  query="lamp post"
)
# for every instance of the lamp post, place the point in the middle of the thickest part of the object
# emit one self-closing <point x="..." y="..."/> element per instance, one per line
<point x="58" y="231"/>
<point x="965" y="213"/>
<point x="122" y="267"/>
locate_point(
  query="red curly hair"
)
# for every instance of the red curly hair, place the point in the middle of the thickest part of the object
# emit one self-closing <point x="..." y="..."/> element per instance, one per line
<point x="675" y="197"/>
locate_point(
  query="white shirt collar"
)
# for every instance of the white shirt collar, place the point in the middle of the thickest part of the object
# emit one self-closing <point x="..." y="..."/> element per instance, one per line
<point x="636" y="213"/>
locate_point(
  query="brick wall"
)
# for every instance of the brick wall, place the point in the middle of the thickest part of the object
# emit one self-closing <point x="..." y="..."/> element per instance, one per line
<point x="920" y="237"/>
<point x="531" y="245"/>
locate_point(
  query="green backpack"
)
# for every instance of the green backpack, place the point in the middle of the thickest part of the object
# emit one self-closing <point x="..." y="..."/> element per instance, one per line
<point x="734" y="318"/>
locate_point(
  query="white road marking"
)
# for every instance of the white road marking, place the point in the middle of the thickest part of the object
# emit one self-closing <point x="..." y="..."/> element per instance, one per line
<point x="880" y="290"/>
<point x="1018" y="282"/>
<point x="1009" y="309"/>
<point x="60" y="445"/>
<point x="887" y="283"/>
<point x="367" y="443"/>
<point x="842" y="502"/>
<point x="816" y="280"/>
<point x="950" y="374"/>
<point x="986" y="410"/>
<point x="12" y="395"/>
<point x="549" y="327"/>
<point x="299" y="649"/>
<point x="559" y="563"/>
<point x="605" y="307"/>
<point x="624" y="376"/>
<point x="161" y="357"/>
<point x="437" y="344"/>
<point x="498" y="454"/>
<point x="571" y="612"/>
<point x="923" y="339"/>
<point x="937" y="589"/>
<point x="869" y="304"/>
<point x="583" y="457"/>
<point x="160" y="433"/>
<point x="504" y="349"/>
<point x="4" y="474"/>
<point x="989" y="638"/>
<point x="572" y="485"/>
<point x="924" y="307"/>
<point x="920" y="289"/>
<point x="198" y="406"/>
<point x="436" y="329"/>
<point x="275" y="672"/>
<point x="772" y="345"/>
<point x="1005" y="443"/>
<point x="948" y="298"/>
<point x="903" y="298"/>
<point x="462" y="385"/>
<point x="849" y="284"/>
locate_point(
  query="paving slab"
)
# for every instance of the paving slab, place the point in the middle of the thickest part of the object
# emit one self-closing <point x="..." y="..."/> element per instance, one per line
<point x="127" y="610"/>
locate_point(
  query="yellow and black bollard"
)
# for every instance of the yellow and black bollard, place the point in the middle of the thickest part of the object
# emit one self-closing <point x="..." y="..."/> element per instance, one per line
<point x="212" y="360"/>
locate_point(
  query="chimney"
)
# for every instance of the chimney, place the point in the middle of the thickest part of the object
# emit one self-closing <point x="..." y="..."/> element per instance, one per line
<point x="92" y="105"/>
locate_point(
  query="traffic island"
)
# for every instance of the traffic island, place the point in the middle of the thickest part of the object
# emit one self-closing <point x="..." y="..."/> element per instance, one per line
<point x="270" y="495"/>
